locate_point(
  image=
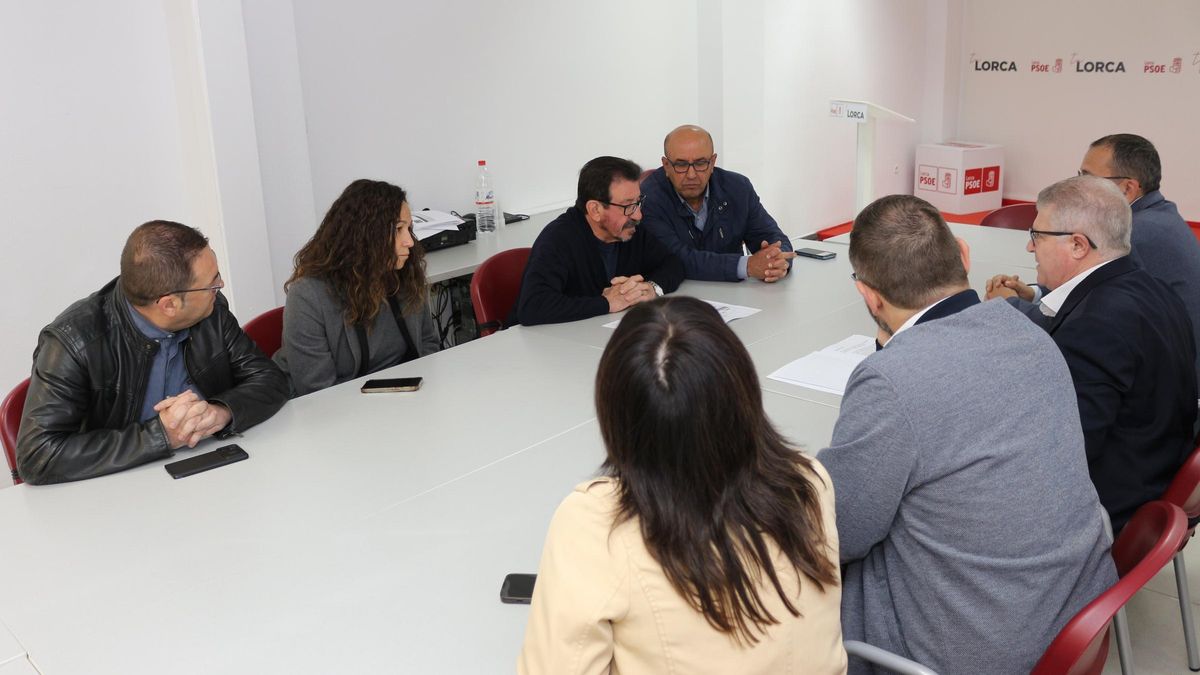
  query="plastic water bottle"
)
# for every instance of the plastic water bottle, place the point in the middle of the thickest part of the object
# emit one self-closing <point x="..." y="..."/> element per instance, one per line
<point x="485" y="200"/>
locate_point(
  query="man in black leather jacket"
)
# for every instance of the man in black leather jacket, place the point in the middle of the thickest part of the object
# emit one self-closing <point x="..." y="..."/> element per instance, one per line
<point x="151" y="362"/>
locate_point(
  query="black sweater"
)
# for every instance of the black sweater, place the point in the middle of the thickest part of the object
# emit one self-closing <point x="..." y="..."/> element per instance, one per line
<point x="565" y="276"/>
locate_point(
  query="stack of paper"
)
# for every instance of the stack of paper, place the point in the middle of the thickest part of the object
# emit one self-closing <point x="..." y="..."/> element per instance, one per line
<point x="727" y="311"/>
<point x="428" y="223"/>
<point x="829" y="369"/>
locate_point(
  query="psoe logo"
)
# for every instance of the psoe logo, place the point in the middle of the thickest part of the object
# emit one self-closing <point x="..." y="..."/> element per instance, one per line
<point x="990" y="66"/>
<point x="1156" y="68"/>
<point x="1047" y="67"/>
<point x="927" y="177"/>
<point x="972" y="181"/>
<point x="1099" y="66"/>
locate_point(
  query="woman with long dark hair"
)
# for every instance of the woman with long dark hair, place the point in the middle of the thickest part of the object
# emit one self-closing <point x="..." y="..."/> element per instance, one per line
<point x="710" y="545"/>
<point x="356" y="301"/>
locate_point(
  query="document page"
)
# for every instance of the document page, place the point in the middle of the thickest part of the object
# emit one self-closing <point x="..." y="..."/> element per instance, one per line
<point x="427" y="223"/>
<point x="827" y="370"/>
<point x="727" y="311"/>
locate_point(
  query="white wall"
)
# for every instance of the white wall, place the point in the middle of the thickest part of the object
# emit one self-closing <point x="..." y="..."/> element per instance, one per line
<point x="89" y="148"/>
<point x="415" y="93"/>
<point x="1045" y="121"/>
<point x="784" y="61"/>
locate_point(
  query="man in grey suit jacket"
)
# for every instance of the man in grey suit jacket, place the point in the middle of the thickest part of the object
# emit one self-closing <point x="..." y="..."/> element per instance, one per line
<point x="969" y="537"/>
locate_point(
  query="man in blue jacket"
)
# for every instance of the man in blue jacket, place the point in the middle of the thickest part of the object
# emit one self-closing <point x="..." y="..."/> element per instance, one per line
<point x="710" y="217"/>
<point x="1163" y="244"/>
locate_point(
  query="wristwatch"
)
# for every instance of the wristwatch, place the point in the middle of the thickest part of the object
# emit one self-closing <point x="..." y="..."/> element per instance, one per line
<point x="658" y="291"/>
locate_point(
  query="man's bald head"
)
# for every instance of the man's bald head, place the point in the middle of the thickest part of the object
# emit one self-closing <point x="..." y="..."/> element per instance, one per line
<point x="688" y="159"/>
<point x="687" y="133"/>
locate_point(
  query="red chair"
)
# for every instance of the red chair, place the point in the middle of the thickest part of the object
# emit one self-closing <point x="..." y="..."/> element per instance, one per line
<point x="266" y="330"/>
<point x="1184" y="492"/>
<point x="1014" y="217"/>
<point x="10" y="424"/>
<point x="1147" y="542"/>
<point x="495" y="287"/>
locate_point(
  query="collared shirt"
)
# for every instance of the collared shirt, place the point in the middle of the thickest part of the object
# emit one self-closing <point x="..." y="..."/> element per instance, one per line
<point x="912" y="320"/>
<point x="701" y="221"/>
<point x="168" y="373"/>
<point x="1053" y="301"/>
<point x="701" y="215"/>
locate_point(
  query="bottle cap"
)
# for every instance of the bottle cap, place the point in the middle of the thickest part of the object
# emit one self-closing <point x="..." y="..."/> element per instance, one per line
<point x="483" y="162"/>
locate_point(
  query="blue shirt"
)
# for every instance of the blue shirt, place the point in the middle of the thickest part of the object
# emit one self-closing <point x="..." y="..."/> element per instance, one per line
<point x="701" y="215"/>
<point x="168" y="373"/>
<point x="702" y="220"/>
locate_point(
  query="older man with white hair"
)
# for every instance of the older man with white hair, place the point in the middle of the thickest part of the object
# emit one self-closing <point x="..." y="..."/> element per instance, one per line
<point x="1126" y="337"/>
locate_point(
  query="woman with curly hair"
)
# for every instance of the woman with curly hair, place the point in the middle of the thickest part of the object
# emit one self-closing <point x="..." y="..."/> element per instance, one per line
<point x="710" y="544"/>
<point x="356" y="301"/>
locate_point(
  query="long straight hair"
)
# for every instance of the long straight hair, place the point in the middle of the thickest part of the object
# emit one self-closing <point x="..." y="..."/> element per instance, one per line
<point x="701" y="467"/>
<point x="354" y="251"/>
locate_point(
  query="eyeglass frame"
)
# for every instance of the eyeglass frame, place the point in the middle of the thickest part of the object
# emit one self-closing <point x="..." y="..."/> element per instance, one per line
<point x="1081" y="172"/>
<point x="212" y="289"/>
<point x="625" y="208"/>
<point x="1048" y="233"/>
<point x="708" y="164"/>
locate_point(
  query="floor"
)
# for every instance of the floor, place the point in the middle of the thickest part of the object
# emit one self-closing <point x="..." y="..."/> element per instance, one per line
<point x="1154" y="623"/>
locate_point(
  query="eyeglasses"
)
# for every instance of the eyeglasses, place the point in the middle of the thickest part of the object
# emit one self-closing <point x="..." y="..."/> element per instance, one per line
<point x="700" y="165"/>
<point x="1081" y="172"/>
<point x="628" y="209"/>
<point x="210" y="289"/>
<point x="1033" y="236"/>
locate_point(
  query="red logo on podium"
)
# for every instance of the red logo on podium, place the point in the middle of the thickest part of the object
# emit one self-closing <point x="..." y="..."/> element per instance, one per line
<point x="972" y="181"/>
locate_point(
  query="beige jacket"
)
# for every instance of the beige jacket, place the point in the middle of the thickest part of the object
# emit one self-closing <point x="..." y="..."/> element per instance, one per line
<point x="603" y="605"/>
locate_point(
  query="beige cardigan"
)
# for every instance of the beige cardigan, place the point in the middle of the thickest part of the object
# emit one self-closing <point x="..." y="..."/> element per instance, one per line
<point x="603" y="605"/>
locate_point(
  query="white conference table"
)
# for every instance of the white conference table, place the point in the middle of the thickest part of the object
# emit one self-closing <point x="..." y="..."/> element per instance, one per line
<point x="366" y="533"/>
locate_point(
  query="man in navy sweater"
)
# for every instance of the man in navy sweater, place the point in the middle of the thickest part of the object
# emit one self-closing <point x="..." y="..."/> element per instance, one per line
<point x="593" y="259"/>
<point x="710" y="217"/>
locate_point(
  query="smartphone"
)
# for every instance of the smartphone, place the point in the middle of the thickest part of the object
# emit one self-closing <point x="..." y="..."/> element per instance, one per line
<point x="517" y="589"/>
<point x="226" y="454"/>
<point x="391" y="385"/>
<point x="816" y="253"/>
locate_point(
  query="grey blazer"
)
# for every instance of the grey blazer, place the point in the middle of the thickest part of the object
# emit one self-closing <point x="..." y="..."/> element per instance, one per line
<point x="968" y="523"/>
<point x="320" y="350"/>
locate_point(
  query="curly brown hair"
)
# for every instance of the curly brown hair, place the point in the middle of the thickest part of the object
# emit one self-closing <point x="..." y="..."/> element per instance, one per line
<point x="354" y="251"/>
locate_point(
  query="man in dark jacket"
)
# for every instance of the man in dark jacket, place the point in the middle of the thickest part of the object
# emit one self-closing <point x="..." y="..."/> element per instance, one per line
<point x="593" y="259"/>
<point x="151" y="362"/>
<point x="1126" y="337"/>
<point x="710" y="217"/>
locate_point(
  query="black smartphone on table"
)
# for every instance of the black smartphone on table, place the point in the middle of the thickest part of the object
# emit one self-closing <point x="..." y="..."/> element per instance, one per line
<point x="816" y="253"/>
<point x="393" y="384"/>
<point x="517" y="589"/>
<point x="226" y="454"/>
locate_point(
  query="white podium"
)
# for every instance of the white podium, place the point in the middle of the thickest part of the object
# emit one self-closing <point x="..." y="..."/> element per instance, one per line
<point x="865" y="114"/>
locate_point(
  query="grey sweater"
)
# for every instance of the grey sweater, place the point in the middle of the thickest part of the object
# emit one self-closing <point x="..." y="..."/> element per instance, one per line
<point x="320" y="350"/>
<point x="968" y="524"/>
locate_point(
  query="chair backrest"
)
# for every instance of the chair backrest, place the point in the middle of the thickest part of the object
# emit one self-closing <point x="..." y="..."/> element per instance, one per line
<point x="266" y="330"/>
<point x="495" y="287"/>
<point x="10" y="424"/>
<point x="1184" y="490"/>
<point x="1014" y="217"/>
<point x="646" y="174"/>
<point x="1144" y="547"/>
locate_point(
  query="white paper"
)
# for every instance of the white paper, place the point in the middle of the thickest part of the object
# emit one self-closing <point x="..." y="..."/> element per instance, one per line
<point x="827" y="370"/>
<point x="428" y="223"/>
<point x="727" y="311"/>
